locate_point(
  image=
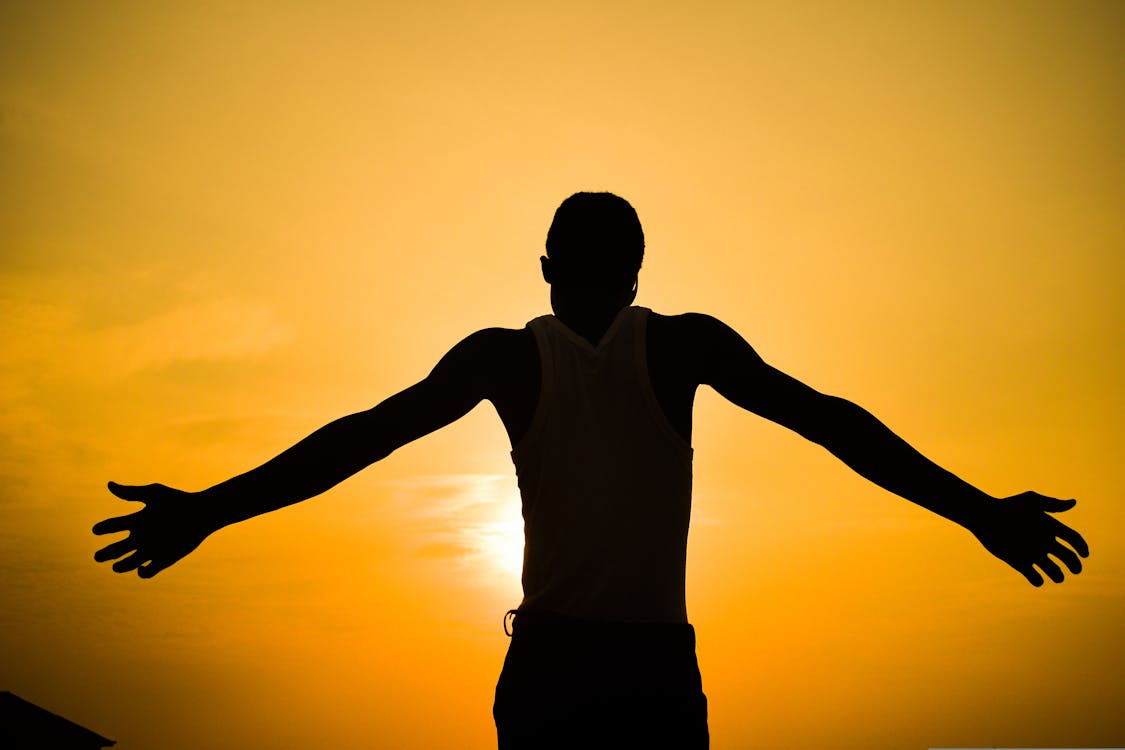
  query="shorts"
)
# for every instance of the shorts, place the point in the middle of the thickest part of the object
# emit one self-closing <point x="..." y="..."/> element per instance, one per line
<point x="575" y="683"/>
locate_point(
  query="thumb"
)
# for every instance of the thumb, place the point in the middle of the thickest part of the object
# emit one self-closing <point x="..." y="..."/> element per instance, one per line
<point x="1053" y="505"/>
<point x="134" y="493"/>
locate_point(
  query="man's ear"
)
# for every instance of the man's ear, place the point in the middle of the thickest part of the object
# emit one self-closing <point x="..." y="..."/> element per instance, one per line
<point x="548" y="270"/>
<point x="633" y="291"/>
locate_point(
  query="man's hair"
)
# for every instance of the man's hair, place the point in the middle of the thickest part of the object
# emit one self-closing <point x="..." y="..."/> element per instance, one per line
<point x="596" y="238"/>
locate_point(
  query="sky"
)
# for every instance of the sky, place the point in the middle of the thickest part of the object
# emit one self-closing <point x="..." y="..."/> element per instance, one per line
<point x="223" y="225"/>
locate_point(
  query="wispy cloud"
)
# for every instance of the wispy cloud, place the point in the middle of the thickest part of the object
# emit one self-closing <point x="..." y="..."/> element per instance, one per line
<point x="468" y="519"/>
<point x="48" y="339"/>
<point x="221" y="329"/>
<point x="57" y="366"/>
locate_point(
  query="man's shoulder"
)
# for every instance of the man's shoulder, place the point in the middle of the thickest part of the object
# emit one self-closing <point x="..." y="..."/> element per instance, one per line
<point x="505" y="363"/>
<point x="498" y="336"/>
<point x="499" y="344"/>
<point x="687" y="327"/>
<point x="682" y="347"/>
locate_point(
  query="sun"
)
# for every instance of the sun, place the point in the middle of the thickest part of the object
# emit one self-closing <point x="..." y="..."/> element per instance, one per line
<point x="500" y="543"/>
<point x="490" y="526"/>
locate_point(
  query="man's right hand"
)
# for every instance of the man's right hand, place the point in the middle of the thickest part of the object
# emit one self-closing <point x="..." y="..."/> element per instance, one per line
<point x="171" y="525"/>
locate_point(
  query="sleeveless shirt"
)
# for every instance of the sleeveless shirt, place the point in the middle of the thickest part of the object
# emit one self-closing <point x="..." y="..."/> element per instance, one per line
<point x="605" y="481"/>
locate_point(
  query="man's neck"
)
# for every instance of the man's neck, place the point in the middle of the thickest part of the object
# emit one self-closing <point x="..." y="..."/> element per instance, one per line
<point x="589" y="324"/>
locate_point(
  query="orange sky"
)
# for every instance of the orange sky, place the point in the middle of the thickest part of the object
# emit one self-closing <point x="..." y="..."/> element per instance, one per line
<point x="224" y="225"/>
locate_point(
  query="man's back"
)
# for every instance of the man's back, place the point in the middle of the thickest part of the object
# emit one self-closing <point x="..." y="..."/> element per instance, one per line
<point x="605" y="480"/>
<point x="515" y="376"/>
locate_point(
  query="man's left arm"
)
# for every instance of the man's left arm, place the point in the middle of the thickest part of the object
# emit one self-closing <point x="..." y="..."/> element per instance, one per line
<point x="1019" y="529"/>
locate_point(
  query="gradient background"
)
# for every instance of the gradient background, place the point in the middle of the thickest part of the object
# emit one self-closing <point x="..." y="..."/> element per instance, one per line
<point x="225" y="224"/>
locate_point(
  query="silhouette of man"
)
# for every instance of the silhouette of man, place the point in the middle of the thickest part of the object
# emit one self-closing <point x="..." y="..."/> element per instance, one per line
<point x="597" y="402"/>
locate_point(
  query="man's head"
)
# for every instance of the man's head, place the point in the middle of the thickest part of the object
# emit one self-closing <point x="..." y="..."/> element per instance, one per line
<point x="595" y="241"/>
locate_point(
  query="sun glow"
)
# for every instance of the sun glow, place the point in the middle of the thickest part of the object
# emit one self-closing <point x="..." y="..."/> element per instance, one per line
<point x="468" y="519"/>
<point x="500" y="544"/>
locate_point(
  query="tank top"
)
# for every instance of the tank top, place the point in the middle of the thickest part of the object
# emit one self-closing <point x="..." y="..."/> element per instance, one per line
<point x="605" y="481"/>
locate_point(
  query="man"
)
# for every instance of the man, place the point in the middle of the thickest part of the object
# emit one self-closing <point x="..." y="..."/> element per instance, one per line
<point x="597" y="402"/>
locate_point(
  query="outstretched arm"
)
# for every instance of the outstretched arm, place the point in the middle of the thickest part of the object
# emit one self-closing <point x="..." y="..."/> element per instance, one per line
<point x="1018" y="529"/>
<point x="174" y="522"/>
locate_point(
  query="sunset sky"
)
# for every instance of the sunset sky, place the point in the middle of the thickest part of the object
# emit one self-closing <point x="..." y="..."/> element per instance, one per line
<point x="225" y="224"/>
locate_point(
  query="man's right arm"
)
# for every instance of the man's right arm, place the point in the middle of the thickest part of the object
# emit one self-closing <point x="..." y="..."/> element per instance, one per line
<point x="174" y="522"/>
<point x="1017" y="530"/>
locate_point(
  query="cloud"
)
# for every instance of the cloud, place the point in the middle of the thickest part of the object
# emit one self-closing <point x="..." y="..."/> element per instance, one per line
<point x="210" y="330"/>
<point x="467" y="519"/>
<point x="47" y="340"/>
<point x="440" y="495"/>
<point x="55" y="365"/>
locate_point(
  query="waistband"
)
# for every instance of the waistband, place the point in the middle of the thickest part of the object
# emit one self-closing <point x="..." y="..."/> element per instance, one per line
<point x="541" y="623"/>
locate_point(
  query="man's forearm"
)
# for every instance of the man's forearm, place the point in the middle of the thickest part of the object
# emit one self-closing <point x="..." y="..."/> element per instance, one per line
<point x="873" y="451"/>
<point x="319" y="462"/>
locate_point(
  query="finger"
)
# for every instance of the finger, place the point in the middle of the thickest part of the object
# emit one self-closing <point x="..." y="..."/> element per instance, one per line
<point x="117" y="549"/>
<point x="1054" y="505"/>
<point x="1051" y="568"/>
<point x="113" y="525"/>
<point x="137" y="493"/>
<point x="132" y="562"/>
<point x="148" y="571"/>
<point x="1073" y="538"/>
<point x="1032" y="575"/>
<point x="1066" y="556"/>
